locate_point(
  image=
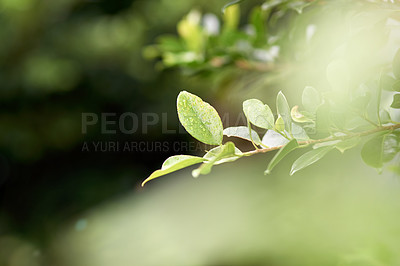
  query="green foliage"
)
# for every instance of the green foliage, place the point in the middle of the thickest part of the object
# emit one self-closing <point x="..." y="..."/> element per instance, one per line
<point x="350" y="102"/>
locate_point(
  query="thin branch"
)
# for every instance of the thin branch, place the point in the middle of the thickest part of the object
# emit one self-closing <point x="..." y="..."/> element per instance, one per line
<point x="315" y="141"/>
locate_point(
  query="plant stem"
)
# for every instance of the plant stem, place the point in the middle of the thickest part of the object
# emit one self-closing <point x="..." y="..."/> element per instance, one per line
<point x="315" y="141"/>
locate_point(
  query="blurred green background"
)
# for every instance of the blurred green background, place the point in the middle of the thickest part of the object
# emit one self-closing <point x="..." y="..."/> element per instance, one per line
<point x="60" y="205"/>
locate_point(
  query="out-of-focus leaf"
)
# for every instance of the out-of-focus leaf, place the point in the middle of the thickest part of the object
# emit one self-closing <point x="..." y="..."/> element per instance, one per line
<point x="199" y="118"/>
<point x="396" y="101"/>
<point x="379" y="149"/>
<point x="214" y="152"/>
<point x="235" y="2"/>
<point x="292" y="145"/>
<point x="173" y="164"/>
<point x="243" y="133"/>
<point x="347" y="144"/>
<point x="231" y="16"/>
<point x="309" y="158"/>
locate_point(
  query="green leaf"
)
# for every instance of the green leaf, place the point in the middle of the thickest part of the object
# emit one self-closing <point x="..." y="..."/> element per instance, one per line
<point x="224" y="153"/>
<point x="243" y="133"/>
<point x="347" y="144"/>
<point x="311" y="99"/>
<point x="280" y="124"/>
<point x="309" y="158"/>
<point x="396" y="64"/>
<point x="258" y="113"/>
<point x="379" y="149"/>
<point x="231" y="15"/>
<point x="235" y="2"/>
<point x="173" y="164"/>
<point x="396" y="101"/>
<point x="300" y="117"/>
<point x="283" y="110"/>
<point x="214" y="152"/>
<point x="199" y="118"/>
<point x="292" y="145"/>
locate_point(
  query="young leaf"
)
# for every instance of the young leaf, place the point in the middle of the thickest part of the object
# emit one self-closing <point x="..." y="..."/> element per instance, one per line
<point x="226" y="151"/>
<point x="292" y="145"/>
<point x="309" y="158"/>
<point x="396" y="101"/>
<point x="396" y="64"/>
<point x="280" y="124"/>
<point x="311" y="99"/>
<point x="283" y="110"/>
<point x="199" y="118"/>
<point x="173" y="164"/>
<point x="258" y="113"/>
<point x="243" y="133"/>
<point x="300" y="117"/>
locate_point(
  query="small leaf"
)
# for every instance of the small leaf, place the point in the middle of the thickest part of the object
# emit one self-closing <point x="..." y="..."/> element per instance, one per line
<point x="311" y="99"/>
<point x="292" y="145"/>
<point x="274" y="139"/>
<point x="396" y="64"/>
<point x="173" y="164"/>
<point x="309" y="158"/>
<point x="258" y="113"/>
<point x="226" y="151"/>
<point x="396" y="101"/>
<point x="300" y="117"/>
<point x="280" y="124"/>
<point x="199" y="118"/>
<point x="347" y="144"/>
<point x="243" y="133"/>
<point x="283" y="110"/>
